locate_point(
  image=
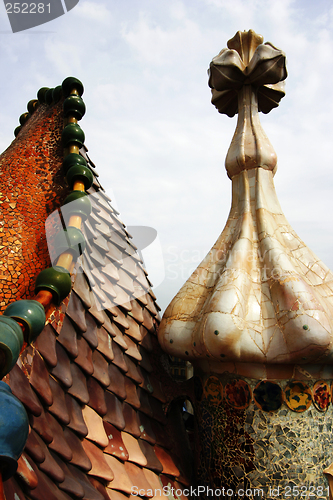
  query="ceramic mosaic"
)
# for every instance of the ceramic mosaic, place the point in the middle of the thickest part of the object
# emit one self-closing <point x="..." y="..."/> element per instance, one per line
<point x="238" y="394"/>
<point x="268" y="395"/>
<point x="31" y="188"/>
<point x="298" y="396"/>
<point x="265" y="450"/>
<point x="321" y="395"/>
<point x="213" y="390"/>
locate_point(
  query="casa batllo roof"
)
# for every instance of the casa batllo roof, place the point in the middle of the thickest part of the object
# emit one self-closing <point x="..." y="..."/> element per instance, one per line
<point x="92" y="382"/>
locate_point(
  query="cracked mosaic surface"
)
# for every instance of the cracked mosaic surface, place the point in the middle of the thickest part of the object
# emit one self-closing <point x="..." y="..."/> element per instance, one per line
<point x="252" y="448"/>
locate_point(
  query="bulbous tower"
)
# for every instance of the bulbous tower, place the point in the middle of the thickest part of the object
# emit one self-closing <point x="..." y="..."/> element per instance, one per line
<point x="255" y="318"/>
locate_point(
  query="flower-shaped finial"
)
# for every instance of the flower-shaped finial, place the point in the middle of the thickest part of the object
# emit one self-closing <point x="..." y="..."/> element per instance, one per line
<point x="245" y="78"/>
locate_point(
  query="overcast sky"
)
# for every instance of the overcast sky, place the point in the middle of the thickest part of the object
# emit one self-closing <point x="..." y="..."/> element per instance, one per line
<point x="158" y="143"/>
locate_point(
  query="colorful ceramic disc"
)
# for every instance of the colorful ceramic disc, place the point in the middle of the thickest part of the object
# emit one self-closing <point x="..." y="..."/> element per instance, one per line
<point x="268" y="395"/>
<point x="298" y="396"/>
<point x="321" y="395"/>
<point x="213" y="390"/>
<point x="238" y="394"/>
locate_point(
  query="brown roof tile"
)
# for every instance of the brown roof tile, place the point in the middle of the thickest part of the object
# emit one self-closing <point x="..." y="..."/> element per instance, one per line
<point x="138" y="478"/>
<point x="132" y="349"/>
<point x="59" y="443"/>
<point x="120" y="319"/>
<point x="155" y="483"/>
<point x="96" y="396"/>
<point x="79" y="456"/>
<point x="119" y="337"/>
<point x="144" y="402"/>
<point x="41" y="425"/>
<point x="39" y="379"/>
<point x="67" y="337"/>
<point x="91" y="334"/>
<point x="76" y="423"/>
<point x="58" y="408"/>
<point x="99" y="487"/>
<point x="89" y="491"/>
<point x="78" y="388"/>
<point x="119" y="359"/>
<point x="94" y="423"/>
<point x="167" y="462"/>
<point x="49" y="466"/>
<point x="22" y="390"/>
<point x="82" y="288"/>
<point x="96" y="310"/>
<point x="114" y="414"/>
<point x="12" y="490"/>
<point x="116" y="445"/>
<point x="110" y="269"/>
<point x="105" y="343"/>
<point x="145" y="362"/>
<point x="33" y="448"/>
<point x="134" y="371"/>
<point x="153" y="462"/>
<point x="63" y="370"/>
<point x="99" y="468"/>
<point x="46" y="488"/>
<point x="108" y="288"/>
<point x="134" y="450"/>
<point x="148" y="320"/>
<point x="134" y="329"/>
<point x="117" y="381"/>
<point x="70" y="484"/>
<point x="137" y="311"/>
<point x="121" y="480"/>
<point x="145" y="384"/>
<point x="100" y="372"/>
<point x="146" y="339"/>
<point x="146" y="429"/>
<point x="26" y="472"/>
<point x="45" y="344"/>
<point x="76" y="311"/>
<point x="131" y="420"/>
<point x="158" y="392"/>
<point x="131" y="393"/>
<point x="84" y="358"/>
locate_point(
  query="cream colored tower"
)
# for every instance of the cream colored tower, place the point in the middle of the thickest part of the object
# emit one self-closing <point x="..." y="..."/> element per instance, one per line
<point x="256" y="316"/>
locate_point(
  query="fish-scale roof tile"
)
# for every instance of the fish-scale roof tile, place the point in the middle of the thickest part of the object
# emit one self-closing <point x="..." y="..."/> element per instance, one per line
<point x="80" y="382"/>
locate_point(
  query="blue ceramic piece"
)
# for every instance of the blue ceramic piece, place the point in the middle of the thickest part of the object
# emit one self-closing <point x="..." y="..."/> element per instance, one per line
<point x="14" y="430"/>
<point x="11" y="342"/>
<point x="31" y="314"/>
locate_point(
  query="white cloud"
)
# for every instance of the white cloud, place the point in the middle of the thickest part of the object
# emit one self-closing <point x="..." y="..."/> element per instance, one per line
<point x="94" y="11"/>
